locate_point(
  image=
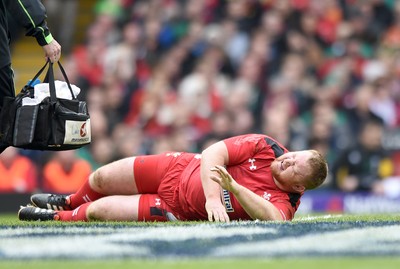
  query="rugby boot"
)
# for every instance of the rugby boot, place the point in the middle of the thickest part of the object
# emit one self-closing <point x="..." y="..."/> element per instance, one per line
<point x="51" y="201"/>
<point x="30" y="213"/>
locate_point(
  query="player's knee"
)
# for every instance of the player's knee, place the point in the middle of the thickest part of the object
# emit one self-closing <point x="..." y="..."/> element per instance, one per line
<point x="97" y="179"/>
<point x="95" y="212"/>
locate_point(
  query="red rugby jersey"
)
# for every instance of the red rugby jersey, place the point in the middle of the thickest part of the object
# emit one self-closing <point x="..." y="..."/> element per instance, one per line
<point x="250" y="158"/>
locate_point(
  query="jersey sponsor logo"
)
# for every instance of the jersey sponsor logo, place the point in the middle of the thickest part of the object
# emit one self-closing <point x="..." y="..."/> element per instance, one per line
<point x="252" y="166"/>
<point x="227" y="201"/>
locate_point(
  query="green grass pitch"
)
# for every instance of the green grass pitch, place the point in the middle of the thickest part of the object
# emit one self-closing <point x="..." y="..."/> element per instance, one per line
<point x="319" y="241"/>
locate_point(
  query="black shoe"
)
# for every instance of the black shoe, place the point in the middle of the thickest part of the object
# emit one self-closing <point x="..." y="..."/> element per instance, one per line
<point x="51" y="201"/>
<point x="30" y="213"/>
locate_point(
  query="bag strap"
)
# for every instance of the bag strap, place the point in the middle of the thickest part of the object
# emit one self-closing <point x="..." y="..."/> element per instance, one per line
<point x="51" y="81"/>
<point x="52" y="86"/>
<point x="49" y="78"/>
<point x="66" y="79"/>
<point x="37" y="74"/>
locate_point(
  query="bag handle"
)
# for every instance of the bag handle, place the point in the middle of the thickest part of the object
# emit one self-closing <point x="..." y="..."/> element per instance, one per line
<point x="49" y="78"/>
<point x="29" y="85"/>
<point x="51" y="81"/>
<point x="37" y="74"/>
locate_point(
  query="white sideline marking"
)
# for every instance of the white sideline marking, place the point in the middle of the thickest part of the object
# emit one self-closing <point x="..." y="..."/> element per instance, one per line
<point x="225" y="240"/>
<point x="369" y="240"/>
<point x="93" y="242"/>
<point x="311" y="218"/>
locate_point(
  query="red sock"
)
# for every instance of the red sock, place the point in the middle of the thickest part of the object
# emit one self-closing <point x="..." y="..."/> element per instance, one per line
<point x="84" y="195"/>
<point x="78" y="214"/>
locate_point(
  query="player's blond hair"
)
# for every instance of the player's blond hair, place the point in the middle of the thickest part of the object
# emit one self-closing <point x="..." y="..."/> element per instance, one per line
<point x="319" y="170"/>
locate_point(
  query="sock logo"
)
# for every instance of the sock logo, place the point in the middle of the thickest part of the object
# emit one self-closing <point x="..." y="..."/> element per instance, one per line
<point x="75" y="212"/>
<point x="86" y="198"/>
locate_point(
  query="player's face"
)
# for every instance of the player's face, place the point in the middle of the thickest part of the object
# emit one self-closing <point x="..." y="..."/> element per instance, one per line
<point x="291" y="169"/>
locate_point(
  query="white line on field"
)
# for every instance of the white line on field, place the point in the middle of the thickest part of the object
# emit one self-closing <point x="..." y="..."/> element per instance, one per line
<point x="310" y="218"/>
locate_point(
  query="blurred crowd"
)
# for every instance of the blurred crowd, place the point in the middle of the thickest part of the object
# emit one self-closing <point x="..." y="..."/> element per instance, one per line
<point x="178" y="75"/>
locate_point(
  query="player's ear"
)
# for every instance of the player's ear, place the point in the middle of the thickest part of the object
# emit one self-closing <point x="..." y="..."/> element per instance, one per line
<point x="299" y="188"/>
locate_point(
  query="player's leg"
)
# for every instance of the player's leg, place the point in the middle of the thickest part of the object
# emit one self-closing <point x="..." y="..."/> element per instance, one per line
<point x="129" y="176"/>
<point x="146" y="207"/>
<point x="142" y="207"/>
<point x="133" y="175"/>
<point x="6" y="90"/>
<point x="116" y="178"/>
<point x="114" y="208"/>
<point x="113" y="178"/>
<point x="110" y="208"/>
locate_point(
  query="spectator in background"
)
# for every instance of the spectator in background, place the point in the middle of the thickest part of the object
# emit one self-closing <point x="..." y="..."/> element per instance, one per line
<point x="363" y="165"/>
<point x="128" y="141"/>
<point x="65" y="172"/>
<point x="383" y="103"/>
<point x="62" y="17"/>
<point x="202" y="91"/>
<point x="358" y="109"/>
<point x="152" y="106"/>
<point x="89" y="57"/>
<point x="99" y="152"/>
<point x="248" y="88"/>
<point x="17" y="173"/>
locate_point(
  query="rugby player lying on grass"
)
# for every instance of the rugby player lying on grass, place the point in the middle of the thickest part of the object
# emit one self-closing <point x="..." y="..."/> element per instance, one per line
<point x="244" y="177"/>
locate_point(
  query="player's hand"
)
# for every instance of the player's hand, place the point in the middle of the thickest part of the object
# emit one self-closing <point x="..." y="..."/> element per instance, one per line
<point x="225" y="180"/>
<point x="52" y="51"/>
<point x="216" y="211"/>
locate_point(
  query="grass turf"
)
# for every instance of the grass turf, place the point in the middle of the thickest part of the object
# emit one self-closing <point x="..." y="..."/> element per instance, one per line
<point x="10" y="220"/>
<point x="330" y="263"/>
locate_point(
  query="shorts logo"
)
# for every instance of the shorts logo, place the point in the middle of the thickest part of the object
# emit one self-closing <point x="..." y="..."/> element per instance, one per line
<point x="158" y="201"/>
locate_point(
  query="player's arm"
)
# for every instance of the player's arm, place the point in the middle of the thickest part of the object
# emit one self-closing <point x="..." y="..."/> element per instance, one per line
<point x="216" y="154"/>
<point x="255" y="206"/>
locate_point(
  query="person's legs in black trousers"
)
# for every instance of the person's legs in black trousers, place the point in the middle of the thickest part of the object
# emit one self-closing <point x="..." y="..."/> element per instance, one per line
<point x="6" y="89"/>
